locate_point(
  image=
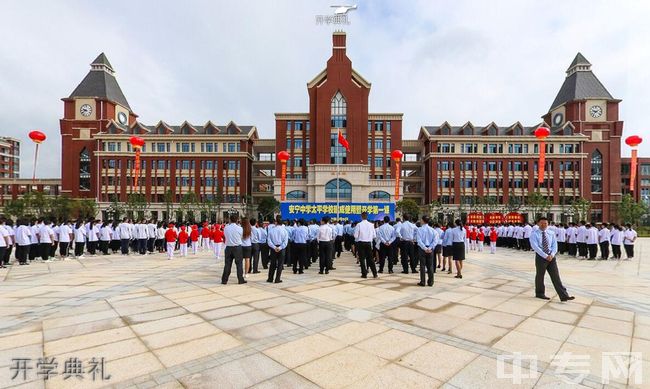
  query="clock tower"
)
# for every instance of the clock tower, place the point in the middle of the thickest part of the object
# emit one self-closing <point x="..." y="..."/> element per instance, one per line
<point x="584" y="106"/>
<point x="94" y="103"/>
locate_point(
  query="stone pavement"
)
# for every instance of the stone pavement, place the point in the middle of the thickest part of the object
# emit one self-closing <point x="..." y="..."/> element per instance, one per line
<point x="171" y="324"/>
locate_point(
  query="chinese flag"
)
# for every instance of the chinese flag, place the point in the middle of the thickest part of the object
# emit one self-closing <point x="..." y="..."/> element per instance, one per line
<point x="343" y="142"/>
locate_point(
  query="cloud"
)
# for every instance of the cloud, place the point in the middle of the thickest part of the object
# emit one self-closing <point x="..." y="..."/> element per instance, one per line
<point x="243" y="61"/>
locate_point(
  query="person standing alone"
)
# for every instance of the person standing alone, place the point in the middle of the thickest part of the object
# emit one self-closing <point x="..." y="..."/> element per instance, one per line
<point x="544" y="243"/>
<point x="233" y="234"/>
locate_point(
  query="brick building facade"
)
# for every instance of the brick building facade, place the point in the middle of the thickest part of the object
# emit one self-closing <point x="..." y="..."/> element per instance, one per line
<point x="9" y="157"/>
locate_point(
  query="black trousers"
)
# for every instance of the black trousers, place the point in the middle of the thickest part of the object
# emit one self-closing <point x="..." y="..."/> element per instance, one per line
<point x="5" y="258"/>
<point x="325" y="255"/>
<point x="364" y="250"/>
<point x="288" y="253"/>
<point x="338" y="245"/>
<point x="79" y="248"/>
<point x="264" y="253"/>
<point x="63" y="249"/>
<point x="22" y="252"/>
<point x="593" y="250"/>
<point x="313" y="250"/>
<point x="408" y="257"/>
<point x="34" y="251"/>
<point x="103" y="246"/>
<point x="276" y="265"/>
<point x="92" y="247"/>
<point x="142" y="246"/>
<point x="3" y="252"/>
<point x="299" y="259"/>
<point x="385" y="252"/>
<point x="255" y="257"/>
<point x="573" y="249"/>
<point x="629" y="250"/>
<point x="395" y="250"/>
<point x="115" y="246"/>
<point x="233" y="254"/>
<point x="616" y="251"/>
<point x="45" y="250"/>
<point x="124" y="246"/>
<point x="542" y="266"/>
<point x="582" y="249"/>
<point x="150" y="244"/>
<point x="426" y="262"/>
<point x="53" y="249"/>
<point x="604" y="249"/>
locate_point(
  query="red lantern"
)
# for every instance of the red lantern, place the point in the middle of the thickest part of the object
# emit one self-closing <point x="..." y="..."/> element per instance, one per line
<point x="541" y="133"/>
<point x="283" y="157"/>
<point x="633" y="141"/>
<point x="37" y="137"/>
<point x="137" y="143"/>
<point x="397" y="155"/>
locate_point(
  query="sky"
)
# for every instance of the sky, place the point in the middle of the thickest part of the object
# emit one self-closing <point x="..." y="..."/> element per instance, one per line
<point x="434" y="61"/>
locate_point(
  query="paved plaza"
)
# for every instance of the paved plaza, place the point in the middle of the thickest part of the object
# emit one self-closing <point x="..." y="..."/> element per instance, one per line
<point x="171" y="324"/>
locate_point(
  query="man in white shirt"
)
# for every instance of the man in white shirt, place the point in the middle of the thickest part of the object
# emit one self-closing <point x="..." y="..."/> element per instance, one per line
<point x="46" y="235"/>
<point x="364" y="235"/>
<point x="34" y="245"/>
<point x="592" y="241"/>
<point x="325" y="238"/>
<point x="65" y="237"/>
<point x="581" y="240"/>
<point x="4" y="243"/>
<point x="142" y="235"/>
<point x="125" y="236"/>
<point x="23" y="242"/>
<point x="151" y="229"/>
<point x="603" y="241"/>
<point x="629" y="237"/>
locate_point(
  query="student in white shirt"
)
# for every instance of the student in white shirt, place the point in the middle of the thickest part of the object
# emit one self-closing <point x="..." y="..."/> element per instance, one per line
<point x="592" y="241"/>
<point x="603" y="241"/>
<point x="160" y="237"/>
<point x="23" y="242"/>
<point x="46" y="238"/>
<point x="115" y="238"/>
<point x="104" y="237"/>
<point x="616" y="239"/>
<point x="629" y="237"/>
<point x="79" y="239"/>
<point x="93" y="236"/>
<point x="4" y="242"/>
<point x="65" y="237"/>
<point x="142" y="235"/>
<point x="125" y="236"/>
<point x="34" y="245"/>
<point x="364" y="235"/>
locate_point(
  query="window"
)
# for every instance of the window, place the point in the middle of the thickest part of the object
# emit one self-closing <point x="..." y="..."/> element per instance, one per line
<point x="388" y="127"/>
<point x="596" y="172"/>
<point x="379" y="126"/>
<point x="344" y="189"/>
<point x="379" y="161"/>
<point x="337" y="152"/>
<point x="445" y="165"/>
<point x="297" y="144"/>
<point x="379" y="194"/>
<point x="339" y="111"/>
<point x="209" y="147"/>
<point x="297" y="194"/>
<point x="467" y="130"/>
<point x="645" y="169"/>
<point x="185" y="147"/>
<point x="288" y="144"/>
<point x="388" y="144"/>
<point x="468" y="148"/>
<point x="297" y="161"/>
<point x="84" y="170"/>
<point x="289" y="126"/>
<point x="379" y="144"/>
<point x="231" y="147"/>
<point x="162" y="147"/>
<point x="446" y="147"/>
<point x="307" y="126"/>
<point x="298" y="126"/>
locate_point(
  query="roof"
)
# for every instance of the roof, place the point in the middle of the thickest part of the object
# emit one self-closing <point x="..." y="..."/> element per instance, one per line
<point x="184" y="128"/>
<point x="492" y="129"/>
<point x="100" y="82"/>
<point x="580" y="84"/>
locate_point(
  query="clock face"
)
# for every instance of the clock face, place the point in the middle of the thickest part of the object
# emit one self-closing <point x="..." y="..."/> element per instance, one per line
<point x="121" y="117"/>
<point x="558" y="119"/>
<point x="86" y="110"/>
<point x="595" y="111"/>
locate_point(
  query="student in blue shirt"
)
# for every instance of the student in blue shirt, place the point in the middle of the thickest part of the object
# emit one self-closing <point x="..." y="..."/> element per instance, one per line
<point x="233" y="234"/>
<point x="544" y="243"/>
<point x="458" y="234"/>
<point x="427" y="239"/>
<point x="278" y="240"/>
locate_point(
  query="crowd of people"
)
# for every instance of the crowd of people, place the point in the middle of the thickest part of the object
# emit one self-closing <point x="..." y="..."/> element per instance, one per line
<point x="419" y="246"/>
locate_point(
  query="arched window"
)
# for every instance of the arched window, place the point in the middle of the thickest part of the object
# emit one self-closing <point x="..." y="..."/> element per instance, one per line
<point x="567" y="130"/>
<point x="596" y="172"/>
<point x="185" y="130"/>
<point x="344" y="190"/>
<point x="517" y="131"/>
<point x="297" y="194"/>
<point x="161" y="130"/>
<point x="492" y="130"/>
<point x="379" y="194"/>
<point x="84" y="170"/>
<point x="339" y="111"/>
<point x="467" y="130"/>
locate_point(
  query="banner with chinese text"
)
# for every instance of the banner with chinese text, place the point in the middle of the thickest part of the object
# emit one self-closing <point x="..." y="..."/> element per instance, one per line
<point x="346" y="211"/>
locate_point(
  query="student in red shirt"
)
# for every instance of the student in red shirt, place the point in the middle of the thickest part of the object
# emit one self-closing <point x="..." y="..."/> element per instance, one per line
<point x="183" y="237"/>
<point x="472" y="239"/>
<point x="194" y="238"/>
<point x="480" y="238"/>
<point x="493" y="240"/>
<point x="217" y="240"/>
<point x="170" y="238"/>
<point x="205" y="237"/>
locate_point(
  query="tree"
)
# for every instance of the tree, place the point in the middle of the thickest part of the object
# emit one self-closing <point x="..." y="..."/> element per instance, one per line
<point x="514" y="203"/>
<point x="15" y="208"/>
<point x="268" y="206"/>
<point x="62" y="207"/>
<point x="189" y="202"/>
<point x="631" y="211"/>
<point x="137" y="203"/>
<point x="537" y="204"/>
<point x="85" y="208"/>
<point x="115" y="210"/>
<point x="408" y="207"/>
<point x="581" y="208"/>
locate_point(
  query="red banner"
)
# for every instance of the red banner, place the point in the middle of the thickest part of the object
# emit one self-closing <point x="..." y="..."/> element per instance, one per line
<point x="493" y="218"/>
<point x="514" y="217"/>
<point x="475" y="218"/>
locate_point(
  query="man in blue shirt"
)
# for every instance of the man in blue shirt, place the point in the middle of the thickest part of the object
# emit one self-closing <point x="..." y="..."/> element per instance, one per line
<point x="386" y="235"/>
<point x="278" y="239"/>
<point x="407" y="234"/>
<point x="544" y="243"/>
<point x="262" y="236"/>
<point x="299" y="259"/>
<point x="427" y="239"/>
<point x="313" y="242"/>
<point x="255" y="246"/>
<point x="233" y="234"/>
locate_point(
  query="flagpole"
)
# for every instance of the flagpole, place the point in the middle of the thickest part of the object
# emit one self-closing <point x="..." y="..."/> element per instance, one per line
<point x="338" y="188"/>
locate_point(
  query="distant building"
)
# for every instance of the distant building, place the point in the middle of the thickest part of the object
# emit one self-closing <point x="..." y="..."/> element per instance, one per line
<point x="9" y="157"/>
<point x="642" y="183"/>
<point x="14" y="188"/>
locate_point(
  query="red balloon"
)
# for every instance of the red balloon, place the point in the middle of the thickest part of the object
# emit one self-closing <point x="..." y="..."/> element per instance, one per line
<point x="397" y="155"/>
<point x="37" y="136"/>
<point x="283" y="156"/>
<point x="136" y="141"/>
<point x="633" y="140"/>
<point x="542" y="133"/>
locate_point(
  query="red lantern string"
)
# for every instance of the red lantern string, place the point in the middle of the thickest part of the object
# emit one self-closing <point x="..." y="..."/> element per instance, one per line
<point x="541" y="133"/>
<point x="37" y="137"/>
<point x="397" y="157"/>
<point x="283" y="156"/>
<point x="633" y="141"/>
<point x="137" y="144"/>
